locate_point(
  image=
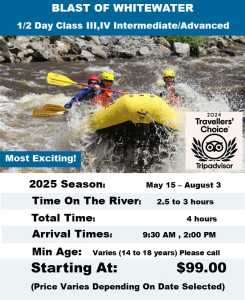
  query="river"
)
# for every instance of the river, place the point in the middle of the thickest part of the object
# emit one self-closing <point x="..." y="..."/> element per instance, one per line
<point x="206" y="84"/>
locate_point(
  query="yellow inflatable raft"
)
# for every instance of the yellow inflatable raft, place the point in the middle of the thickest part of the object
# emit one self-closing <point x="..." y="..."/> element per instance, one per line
<point x="137" y="109"/>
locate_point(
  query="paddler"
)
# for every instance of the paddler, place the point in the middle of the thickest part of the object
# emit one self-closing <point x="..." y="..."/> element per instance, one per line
<point x="106" y="95"/>
<point x="87" y="93"/>
<point x="169" y="92"/>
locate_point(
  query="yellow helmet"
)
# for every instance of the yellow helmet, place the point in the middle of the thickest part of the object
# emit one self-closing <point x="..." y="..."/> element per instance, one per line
<point x="105" y="75"/>
<point x="168" y="73"/>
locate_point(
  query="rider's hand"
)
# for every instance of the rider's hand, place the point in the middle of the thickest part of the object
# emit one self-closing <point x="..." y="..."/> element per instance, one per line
<point x="96" y="87"/>
<point x="77" y="103"/>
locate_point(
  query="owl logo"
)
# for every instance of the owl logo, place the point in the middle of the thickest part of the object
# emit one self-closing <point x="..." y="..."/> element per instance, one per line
<point x="214" y="146"/>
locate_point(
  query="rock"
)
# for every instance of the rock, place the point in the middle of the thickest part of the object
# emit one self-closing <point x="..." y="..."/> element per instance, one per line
<point x="212" y="50"/>
<point x="94" y="39"/>
<point x="109" y="41"/>
<point x="26" y="39"/>
<point x="144" y="51"/>
<point x="222" y="43"/>
<point x="54" y="39"/>
<point x="18" y="45"/>
<point x="3" y="45"/>
<point x="202" y="51"/>
<point x="76" y="48"/>
<point x="160" y="51"/>
<point x="67" y="58"/>
<point x="27" y="60"/>
<point x="44" y="52"/>
<point x="78" y="45"/>
<point x="164" y="51"/>
<point x="229" y="52"/>
<point x="69" y="39"/>
<point x="81" y="43"/>
<point x="182" y="49"/>
<point x="4" y="51"/>
<point x="62" y="47"/>
<point x="162" y="41"/>
<point x="242" y="40"/>
<point x="72" y="48"/>
<point x="211" y="41"/>
<point x="124" y="53"/>
<point x="23" y="39"/>
<point x="87" y="55"/>
<point x="25" y="53"/>
<point x="14" y="50"/>
<point x="98" y="51"/>
<point x="239" y="39"/>
<point x="21" y="43"/>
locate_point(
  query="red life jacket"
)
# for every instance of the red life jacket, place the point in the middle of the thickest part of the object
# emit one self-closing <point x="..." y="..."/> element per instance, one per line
<point x="172" y="98"/>
<point x="103" y="99"/>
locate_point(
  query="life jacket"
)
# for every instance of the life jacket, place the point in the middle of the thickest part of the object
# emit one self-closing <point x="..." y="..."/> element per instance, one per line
<point x="171" y="96"/>
<point x="103" y="99"/>
<point x="175" y="101"/>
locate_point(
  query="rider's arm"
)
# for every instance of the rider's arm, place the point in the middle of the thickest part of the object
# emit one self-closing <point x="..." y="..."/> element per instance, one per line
<point x="79" y="96"/>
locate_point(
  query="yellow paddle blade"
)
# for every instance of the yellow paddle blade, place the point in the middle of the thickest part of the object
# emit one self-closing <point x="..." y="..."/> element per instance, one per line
<point x="60" y="80"/>
<point x="45" y="114"/>
<point x="53" y="107"/>
<point x="48" y="110"/>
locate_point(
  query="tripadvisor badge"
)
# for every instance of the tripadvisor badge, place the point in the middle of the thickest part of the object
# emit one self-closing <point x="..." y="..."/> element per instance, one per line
<point x="214" y="141"/>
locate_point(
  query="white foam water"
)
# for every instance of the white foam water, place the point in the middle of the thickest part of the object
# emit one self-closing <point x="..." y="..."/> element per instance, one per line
<point x="33" y="100"/>
<point x="19" y="130"/>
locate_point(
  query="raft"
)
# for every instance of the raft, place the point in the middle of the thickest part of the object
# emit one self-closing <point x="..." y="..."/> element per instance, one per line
<point x="136" y="109"/>
<point x="133" y="134"/>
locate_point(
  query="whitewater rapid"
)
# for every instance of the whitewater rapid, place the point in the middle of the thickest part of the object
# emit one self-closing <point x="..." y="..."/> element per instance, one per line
<point x="202" y="83"/>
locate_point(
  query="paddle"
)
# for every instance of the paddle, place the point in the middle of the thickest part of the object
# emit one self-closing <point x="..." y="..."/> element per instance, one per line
<point x="62" y="80"/>
<point x="48" y="110"/>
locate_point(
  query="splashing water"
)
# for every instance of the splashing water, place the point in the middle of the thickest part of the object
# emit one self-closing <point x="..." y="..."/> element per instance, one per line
<point x="197" y="83"/>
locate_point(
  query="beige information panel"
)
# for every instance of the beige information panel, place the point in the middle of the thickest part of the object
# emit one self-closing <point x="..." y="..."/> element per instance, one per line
<point x="126" y="235"/>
